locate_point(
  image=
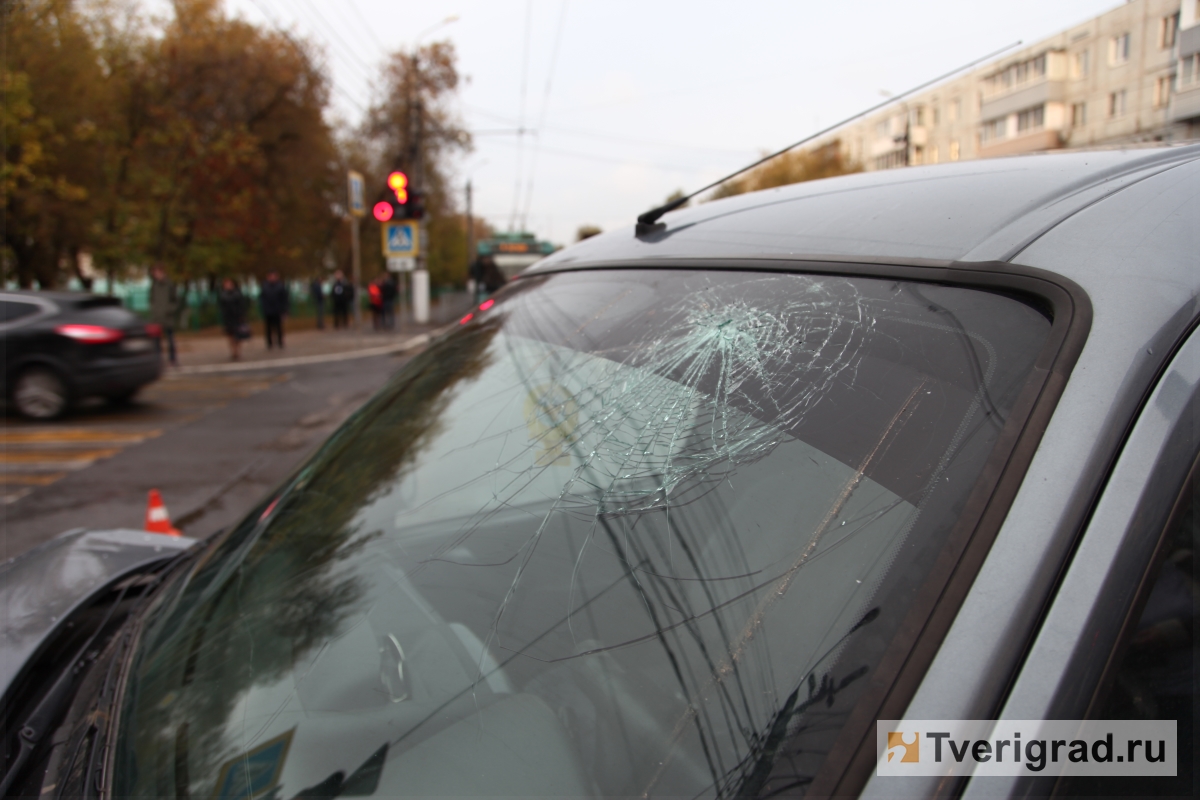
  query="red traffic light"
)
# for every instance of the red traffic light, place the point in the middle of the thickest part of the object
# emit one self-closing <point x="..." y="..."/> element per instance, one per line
<point x="383" y="211"/>
<point x="398" y="183"/>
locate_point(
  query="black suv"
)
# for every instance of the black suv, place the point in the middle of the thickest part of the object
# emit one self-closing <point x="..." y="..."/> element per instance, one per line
<point x="60" y="347"/>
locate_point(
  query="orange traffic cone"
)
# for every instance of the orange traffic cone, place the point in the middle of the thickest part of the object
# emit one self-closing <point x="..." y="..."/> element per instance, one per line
<point x="157" y="518"/>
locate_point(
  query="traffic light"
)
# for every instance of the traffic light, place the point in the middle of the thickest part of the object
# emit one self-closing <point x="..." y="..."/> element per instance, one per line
<point x="394" y="204"/>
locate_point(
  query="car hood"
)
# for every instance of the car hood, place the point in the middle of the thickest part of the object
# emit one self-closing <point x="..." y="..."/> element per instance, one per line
<point x="41" y="588"/>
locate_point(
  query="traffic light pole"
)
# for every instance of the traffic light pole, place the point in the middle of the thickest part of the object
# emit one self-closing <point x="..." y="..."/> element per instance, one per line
<point x="420" y="276"/>
<point x="356" y="277"/>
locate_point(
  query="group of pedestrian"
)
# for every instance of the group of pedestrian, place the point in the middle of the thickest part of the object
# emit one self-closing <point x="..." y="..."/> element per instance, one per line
<point x="383" y="292"/>
<point x="274" y="301"/>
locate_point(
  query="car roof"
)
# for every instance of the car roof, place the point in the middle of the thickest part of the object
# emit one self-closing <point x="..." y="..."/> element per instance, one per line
<point x="990" y="210"/>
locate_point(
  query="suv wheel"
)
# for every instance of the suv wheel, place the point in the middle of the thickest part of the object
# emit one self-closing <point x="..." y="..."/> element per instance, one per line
<point x="40" y="394"/>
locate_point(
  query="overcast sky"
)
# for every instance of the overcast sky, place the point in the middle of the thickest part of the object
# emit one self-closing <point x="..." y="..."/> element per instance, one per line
<point x="633" y="100"/>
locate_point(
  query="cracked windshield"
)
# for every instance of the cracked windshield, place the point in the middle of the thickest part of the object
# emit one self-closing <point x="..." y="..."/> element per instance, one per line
<point x="623" y="533"/>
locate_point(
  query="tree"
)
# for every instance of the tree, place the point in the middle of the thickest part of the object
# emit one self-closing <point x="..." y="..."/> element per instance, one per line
<point x="413" y="127"/>
<point x="52" y="90"/>
<point x="794" y="167"/>
<point x="587" y="232"/>
<point x="202" y="144"/>
<point x="245" y="176"/>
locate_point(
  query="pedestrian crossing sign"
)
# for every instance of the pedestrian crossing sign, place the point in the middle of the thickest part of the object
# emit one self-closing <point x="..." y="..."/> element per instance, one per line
<point x="400" y="239"/>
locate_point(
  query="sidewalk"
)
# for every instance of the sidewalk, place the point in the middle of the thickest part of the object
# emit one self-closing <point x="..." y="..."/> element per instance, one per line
<point x="207" y="353"/>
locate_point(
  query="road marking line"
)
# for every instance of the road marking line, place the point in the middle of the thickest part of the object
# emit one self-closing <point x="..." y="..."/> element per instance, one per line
<point x="279" y="363"/>
<point x="13" y="497"/>
<point x="76" y="435"/>
<point x="16" y="479"/>
<point x="55" y="456"/>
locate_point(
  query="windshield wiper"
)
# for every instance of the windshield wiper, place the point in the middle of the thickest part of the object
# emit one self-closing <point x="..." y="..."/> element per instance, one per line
<point x="34" y="728"/>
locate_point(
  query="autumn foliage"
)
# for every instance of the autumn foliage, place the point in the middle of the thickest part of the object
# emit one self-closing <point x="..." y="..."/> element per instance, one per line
<point x="794" y="167"/>
<point x="202" y="141"/>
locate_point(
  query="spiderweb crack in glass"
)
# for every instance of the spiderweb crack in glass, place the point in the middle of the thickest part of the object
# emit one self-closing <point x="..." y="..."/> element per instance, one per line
<point x="624" y="533"/>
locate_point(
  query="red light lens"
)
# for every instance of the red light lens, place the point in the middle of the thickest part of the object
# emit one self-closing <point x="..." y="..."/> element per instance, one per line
<point x="153" y="330"/>
<point x="466" y="319"/>
<point x="486" y="304"/>
<point x="90" y="334"/>
<point x="383" y="211"/>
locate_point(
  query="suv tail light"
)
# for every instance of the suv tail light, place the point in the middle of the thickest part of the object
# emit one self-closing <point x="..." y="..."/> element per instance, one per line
<point x="90" y="334"/>
<point x="153" y="330"/>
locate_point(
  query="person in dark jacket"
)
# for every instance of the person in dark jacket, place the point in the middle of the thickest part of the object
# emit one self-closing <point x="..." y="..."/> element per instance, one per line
<point x="164" y="308"/>
<point x="274" y="302"/>
<point x="341" y="292"/>
<point x="493" y="278"/>
<point x="231" y="304"/>
<point x="316" y="290"/>
<point x="390" y="293"/>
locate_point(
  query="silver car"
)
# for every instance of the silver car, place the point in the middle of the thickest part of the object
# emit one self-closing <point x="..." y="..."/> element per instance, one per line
<point x="686" y="511"/>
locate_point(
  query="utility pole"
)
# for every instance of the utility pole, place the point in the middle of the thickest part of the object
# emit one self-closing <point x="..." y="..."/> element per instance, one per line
<point x="356" y="276"/>
<point x="356" y="207"/>
<point x="470" y="242"/>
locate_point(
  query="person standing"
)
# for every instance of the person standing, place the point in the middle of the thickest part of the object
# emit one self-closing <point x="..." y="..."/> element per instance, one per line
<point x="342" y="294"/>
<point x="375" y="293"/>
<point x="493" y="278"/>
<point x="231" y="304"/>
<point x="317" y="291"/>
<point x="390" y="292"/>
<point x="164" y="308"/>
<point x="274" y="302"/>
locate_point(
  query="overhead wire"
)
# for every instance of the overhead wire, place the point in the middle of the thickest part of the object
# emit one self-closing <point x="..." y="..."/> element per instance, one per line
<point x="512" y="220"/>
<point x="562" y="17"/>
<point x="576" y="132"/>
<point x="366" y="25"/>
<point x="274" y="22"/>
<point x="348" y="56"/>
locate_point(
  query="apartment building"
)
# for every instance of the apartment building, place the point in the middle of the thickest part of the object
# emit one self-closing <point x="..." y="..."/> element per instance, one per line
<point x="1129" y="75"/>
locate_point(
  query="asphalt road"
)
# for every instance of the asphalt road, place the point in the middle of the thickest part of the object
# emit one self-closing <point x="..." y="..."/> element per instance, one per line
<point x="213" y="444"/>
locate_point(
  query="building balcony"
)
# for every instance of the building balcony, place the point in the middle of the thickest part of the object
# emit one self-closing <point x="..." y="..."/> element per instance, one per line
<point x="1185" y="104"/>
<point x="1031" y="142"/>
<point x="1027" y="95"/>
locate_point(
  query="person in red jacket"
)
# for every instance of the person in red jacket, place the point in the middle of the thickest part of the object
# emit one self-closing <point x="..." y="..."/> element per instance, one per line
<point x="375" y="291"/>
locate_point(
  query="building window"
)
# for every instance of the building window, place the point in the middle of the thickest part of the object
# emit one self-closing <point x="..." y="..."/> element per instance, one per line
<point x="1078" y="115"/>
<point x="954" y="110"/>
<point x="1189" y="70"/>
<point x="919" y="116"/>
<point x="1118" y="49"/>
<point x="1162" y="91"/>
<point x="1031" y="119"/>
<point x="1167" y="29"/>
<point x="918" y="155"/>
<point x="936" y="114"/>
<point x="993" y="129"/>
<point x="1116" y="104"/>
<point x="954" y="150"/>
<point x="881" y="128"/>
<point x="933" y="154"/>
<point x="1080" y="63"/>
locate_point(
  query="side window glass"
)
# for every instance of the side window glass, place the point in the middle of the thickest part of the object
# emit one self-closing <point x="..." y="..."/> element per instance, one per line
<point x="11" y="310"/>
<point x="1155" y="676"/>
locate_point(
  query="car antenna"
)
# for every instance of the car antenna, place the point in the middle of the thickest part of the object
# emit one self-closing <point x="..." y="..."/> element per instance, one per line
<point x="648" y="222"/>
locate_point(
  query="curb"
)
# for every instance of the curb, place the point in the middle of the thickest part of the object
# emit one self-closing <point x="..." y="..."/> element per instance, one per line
<point x="281" y="363"/>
